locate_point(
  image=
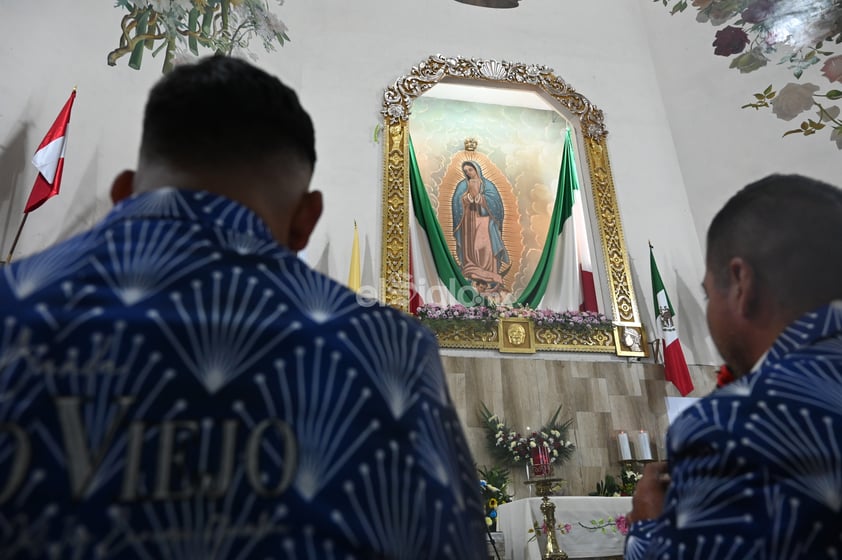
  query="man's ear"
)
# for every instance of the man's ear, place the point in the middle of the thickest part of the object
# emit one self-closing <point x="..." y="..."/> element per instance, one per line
<point x="122" y="186"/>
<point x="304" y="220"/>
<point x="743" y="287"/>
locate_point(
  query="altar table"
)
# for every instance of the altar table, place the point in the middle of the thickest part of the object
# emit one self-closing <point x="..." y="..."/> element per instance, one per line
<point x="517" y="517"/>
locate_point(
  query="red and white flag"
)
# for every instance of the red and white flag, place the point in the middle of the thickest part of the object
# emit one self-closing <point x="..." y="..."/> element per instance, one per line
<point x="675" y="365"/>
<point x="49" y="159"/>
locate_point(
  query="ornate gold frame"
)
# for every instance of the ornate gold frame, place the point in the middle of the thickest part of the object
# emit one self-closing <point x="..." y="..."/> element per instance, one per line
<point x="589" y="122"/>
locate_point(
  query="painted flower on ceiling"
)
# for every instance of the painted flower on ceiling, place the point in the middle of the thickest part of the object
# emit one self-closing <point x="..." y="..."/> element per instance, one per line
<point x="832" y="68"/>
<point x="804" y="35"/>
<point x="830" y="115"/>
<point x="749" y="61"/>
<point x="758" y="12"/>
<point x="731" y="40"/>
<point x="793" y="99"/>
<point x="836" y="136"/>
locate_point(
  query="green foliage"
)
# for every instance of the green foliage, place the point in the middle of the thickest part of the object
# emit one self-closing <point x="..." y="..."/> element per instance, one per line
<point x="494" y="486"/>
<point x="497" y="483"/>
<point x="177" y="28"/>
<point x="610" y="486"/>
<point x="606" y="487"/>
<point x="762" y="99"/>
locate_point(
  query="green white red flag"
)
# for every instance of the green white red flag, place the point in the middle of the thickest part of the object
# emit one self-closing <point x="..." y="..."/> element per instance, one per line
<point x="49" y="159"/>
<point x="675" y="366"/>
<point x="570" y="284"/>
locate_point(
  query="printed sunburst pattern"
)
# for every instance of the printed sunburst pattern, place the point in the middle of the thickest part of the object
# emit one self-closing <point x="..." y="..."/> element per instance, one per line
<point x="391" y="510"/>
<point x="757" y="466"/>
<point x="160" y="203"/>
<point x="394" y="356"/>
<point x="148" y="259"/>
<point x="432" y="443"/>
<point x="198" y="526"/>
<point x="28" y="276"/>
<point x="223" y="328"/>
<point x="321" y="299"/>
<point x="325" y="402"/>
<point x="174" y="384"/>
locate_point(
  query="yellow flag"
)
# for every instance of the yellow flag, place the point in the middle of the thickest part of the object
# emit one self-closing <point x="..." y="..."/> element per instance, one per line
<point x="354" y="271"/>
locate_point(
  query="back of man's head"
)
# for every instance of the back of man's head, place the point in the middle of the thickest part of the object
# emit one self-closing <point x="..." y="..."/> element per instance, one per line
<point x="222" y="111"/>
<point x="788" y="228"/>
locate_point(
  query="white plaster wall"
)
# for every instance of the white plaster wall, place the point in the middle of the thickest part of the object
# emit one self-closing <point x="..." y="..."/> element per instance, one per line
<point x="342" y="56"/>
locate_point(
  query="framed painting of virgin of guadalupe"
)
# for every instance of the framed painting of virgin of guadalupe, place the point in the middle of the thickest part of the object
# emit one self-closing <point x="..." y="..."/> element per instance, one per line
<point x="475" y="213"/>
<point x="485" y="207"/>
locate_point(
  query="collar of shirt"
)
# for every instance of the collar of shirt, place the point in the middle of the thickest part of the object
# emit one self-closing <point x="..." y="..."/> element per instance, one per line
<point x="824" y="322"/>
<point x="194" y="206"/>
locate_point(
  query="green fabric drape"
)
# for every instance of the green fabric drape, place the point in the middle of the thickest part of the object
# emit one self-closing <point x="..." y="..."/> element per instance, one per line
<point x="446" y="266"/>
<point x="562" y="210"/>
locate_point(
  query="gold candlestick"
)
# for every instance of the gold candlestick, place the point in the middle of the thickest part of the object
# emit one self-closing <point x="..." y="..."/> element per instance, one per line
<point x="544" y="486"/>
<point x="632" y="462"/>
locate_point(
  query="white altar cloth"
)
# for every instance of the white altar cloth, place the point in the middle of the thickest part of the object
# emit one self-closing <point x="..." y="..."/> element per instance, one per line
<point x="517" y="517"/>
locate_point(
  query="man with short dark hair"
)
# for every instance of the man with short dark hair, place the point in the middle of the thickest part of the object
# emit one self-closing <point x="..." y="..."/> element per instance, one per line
<point x="755" y="468"/>
<point x="175" y="383"/>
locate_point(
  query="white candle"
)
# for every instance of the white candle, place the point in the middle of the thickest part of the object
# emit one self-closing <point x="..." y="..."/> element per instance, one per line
<point x="644" y="452"/>
<point x="625" y="450"/>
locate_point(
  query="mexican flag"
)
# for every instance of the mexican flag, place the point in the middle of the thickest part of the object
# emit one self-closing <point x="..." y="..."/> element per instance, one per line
<point x="675" y="366"/>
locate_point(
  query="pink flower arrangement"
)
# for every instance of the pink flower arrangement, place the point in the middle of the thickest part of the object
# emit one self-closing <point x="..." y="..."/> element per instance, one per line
<point x="580" y="320"/>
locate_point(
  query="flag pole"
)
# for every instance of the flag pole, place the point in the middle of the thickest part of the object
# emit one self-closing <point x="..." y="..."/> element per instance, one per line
<point x="17" y="238"/>
<point x="45" y="157"/>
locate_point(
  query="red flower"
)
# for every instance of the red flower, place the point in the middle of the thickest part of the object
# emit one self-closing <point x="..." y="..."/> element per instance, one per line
<point x="730" y="40"/>
<point x="724" y="376"/>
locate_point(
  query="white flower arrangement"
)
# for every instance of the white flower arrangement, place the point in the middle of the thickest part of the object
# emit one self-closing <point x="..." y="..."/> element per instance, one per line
<point x="513" y="448"/>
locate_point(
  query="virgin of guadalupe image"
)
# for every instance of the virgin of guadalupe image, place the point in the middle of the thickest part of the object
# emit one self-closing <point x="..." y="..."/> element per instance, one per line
<point x="478" y="217"/>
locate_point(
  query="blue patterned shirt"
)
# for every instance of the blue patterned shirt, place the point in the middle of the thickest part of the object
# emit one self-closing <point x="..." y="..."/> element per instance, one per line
<point x="756" y="466"/>
<point x="175" y="384"/>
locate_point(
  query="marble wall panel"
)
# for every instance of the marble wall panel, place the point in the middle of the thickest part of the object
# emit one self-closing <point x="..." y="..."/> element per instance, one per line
<point x="600" y="397"/>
